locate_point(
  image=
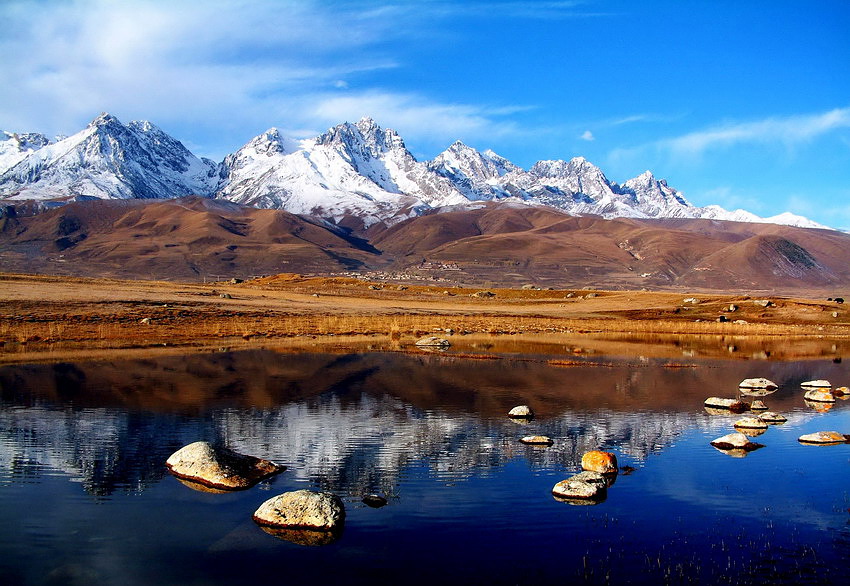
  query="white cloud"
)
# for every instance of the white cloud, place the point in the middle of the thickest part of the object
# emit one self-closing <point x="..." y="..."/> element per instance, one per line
<point x="587" y="135"/>
<point x="788" y="131"/>
<point x="219" y="68"/>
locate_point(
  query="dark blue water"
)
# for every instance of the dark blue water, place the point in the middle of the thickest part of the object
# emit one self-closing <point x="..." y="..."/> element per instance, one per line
<point x="85" y="498"/>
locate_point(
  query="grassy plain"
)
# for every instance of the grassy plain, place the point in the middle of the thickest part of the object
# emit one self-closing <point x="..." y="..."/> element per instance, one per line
<point x="66" y="315"/>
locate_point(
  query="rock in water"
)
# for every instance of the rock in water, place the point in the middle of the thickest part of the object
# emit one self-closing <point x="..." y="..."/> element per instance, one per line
<point x="537" y="440"/>
<point x="750" y="423"/>
<point x="757" y="383"/>
<point x="819" y="396"/>
<point x="758" y="405"/>
<point x="573" y="489"/>
<point x="733" y="405"/>
<point x="816" y="384"/>
<point x="432" y="341"/>
<point x="735" y="441"/>
<point x="772" y="417"/>
<point x="824" y="438"/>
<point x="302" y="509"/>
<point x="220" y="468"/>
<point x="599" y="461"/>
<point x="521" y="412"/>
<point x="375" y="501"/>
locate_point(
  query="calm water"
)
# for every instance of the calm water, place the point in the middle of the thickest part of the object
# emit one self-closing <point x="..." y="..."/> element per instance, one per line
<point x="85" y="498"/>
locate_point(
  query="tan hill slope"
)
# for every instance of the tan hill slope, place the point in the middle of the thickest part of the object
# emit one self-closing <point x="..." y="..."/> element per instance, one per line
<point x="490" y="244"/>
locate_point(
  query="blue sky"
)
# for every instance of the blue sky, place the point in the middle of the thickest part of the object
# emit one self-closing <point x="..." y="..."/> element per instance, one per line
<point x="743" y="104"/>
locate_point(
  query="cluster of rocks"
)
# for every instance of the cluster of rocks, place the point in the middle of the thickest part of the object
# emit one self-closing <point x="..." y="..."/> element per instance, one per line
<point x="304" y="517"/>
<point x="819" y="393"/>
<point x="589" y="487"/>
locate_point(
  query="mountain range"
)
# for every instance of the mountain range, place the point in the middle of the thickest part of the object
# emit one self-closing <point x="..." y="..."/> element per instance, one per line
<point x="354" y="175"/>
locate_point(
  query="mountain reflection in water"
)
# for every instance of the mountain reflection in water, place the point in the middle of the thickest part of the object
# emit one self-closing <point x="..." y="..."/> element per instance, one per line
<point x="409" y="425"/>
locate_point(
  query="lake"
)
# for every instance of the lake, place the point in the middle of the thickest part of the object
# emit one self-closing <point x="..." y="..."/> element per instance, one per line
<point x="85" y="497"/>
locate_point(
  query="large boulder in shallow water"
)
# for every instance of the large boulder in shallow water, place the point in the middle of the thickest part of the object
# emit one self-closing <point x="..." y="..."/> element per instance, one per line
<point x="302" y="509"/>
<point x="219" y="468"/>
<point x="599" y="461"/>
<point x="824" y="438"/>
<point x="772" y="417"/>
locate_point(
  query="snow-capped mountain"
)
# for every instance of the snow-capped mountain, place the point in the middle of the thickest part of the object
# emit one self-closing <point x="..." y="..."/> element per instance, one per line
<point x="353" y="169"/>
<point x="105" y="160"/>
<point x="359" y="170"/>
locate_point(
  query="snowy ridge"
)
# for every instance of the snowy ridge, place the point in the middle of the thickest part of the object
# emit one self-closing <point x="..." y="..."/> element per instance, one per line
<point x="359" y="170"/>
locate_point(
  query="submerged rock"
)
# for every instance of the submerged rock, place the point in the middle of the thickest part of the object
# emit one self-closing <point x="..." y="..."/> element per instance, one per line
<point x="537" y="440"/>
<point x="817" y="384"/>
<point x="433" y="341"/>
<point x="757" y="383"/>
<point x="599" y="461"/>
<point x="824" y="438"/>
<point x="819" y="396"/>
<point x="219" y="468"/>
<point x="521" y="412"/>
<point x="735" y="441"/>
<point x="302" y="509"/>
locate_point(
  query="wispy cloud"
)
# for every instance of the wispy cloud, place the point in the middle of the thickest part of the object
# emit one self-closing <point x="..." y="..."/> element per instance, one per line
<point x="587" y="135"/>
<point x="219" y="67"/>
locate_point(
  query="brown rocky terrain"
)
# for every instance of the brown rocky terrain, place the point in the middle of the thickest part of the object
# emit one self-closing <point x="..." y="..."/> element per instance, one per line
<point x="194" y="239"/>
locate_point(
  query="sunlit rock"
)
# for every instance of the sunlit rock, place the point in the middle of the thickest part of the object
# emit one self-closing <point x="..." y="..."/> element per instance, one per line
<point x="219" y="468"/>
<point x="819" y="396"/>
<point x="433" y="341"/>
<point x="735" y="441"/>
<point x="726" y="405"/>
<point x="819" y="406"/>
<point x="772" y="417"/>
<point x="302" y="509"/>
<point x="817" y="384"/>
<point x="537" y="440"/>
<point x="757" y="383"/>
<point x="751" y="426"/>
<point x="758" y="405"/>
<point x="521" y="412"/>
<point x="824" y="438"/>
<point x="573" y="489"/>
<point x="599" y="461"/>
<point x="841" y="392"/>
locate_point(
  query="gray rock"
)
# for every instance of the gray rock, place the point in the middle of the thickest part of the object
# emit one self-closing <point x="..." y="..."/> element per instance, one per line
<point x="302" y="509"/>
<point x="219" y="468"/>
<point x="750" y="423"/>
<point x="758" y="405"/>
<point x="733" y="405"/>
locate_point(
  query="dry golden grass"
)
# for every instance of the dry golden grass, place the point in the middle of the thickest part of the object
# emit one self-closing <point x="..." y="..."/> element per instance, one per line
<point x="40" y="311"/>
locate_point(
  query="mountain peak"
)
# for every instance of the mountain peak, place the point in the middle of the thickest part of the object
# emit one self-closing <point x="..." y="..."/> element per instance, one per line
<point x="105" y="119"/>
